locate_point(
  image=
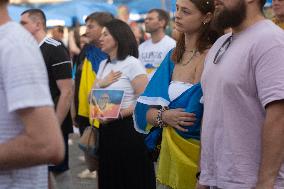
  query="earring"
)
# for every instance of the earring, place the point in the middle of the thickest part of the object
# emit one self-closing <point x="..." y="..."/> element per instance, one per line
<point x="204" y="23"/>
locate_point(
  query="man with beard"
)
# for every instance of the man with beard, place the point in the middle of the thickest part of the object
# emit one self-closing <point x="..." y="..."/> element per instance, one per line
<point x="153" y="51"/>
<point x="243" y="84"/>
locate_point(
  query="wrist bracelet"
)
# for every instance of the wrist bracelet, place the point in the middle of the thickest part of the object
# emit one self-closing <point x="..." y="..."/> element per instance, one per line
<point x="159" y="119"/>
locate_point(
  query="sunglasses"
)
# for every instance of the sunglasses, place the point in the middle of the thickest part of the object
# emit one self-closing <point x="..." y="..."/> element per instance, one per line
<point x="223" y="49"/>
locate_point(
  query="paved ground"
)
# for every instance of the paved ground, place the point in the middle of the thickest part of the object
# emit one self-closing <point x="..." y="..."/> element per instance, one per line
<point x="78" y="166"/>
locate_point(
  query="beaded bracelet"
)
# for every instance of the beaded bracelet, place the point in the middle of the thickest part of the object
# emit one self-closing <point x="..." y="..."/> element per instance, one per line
<point x="159" y="119"/>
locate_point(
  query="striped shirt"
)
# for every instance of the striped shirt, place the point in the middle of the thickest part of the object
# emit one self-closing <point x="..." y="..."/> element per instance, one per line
<point x="23" y="83"/>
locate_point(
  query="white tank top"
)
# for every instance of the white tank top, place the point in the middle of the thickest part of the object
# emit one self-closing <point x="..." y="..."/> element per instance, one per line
<point x="176" y="88"/>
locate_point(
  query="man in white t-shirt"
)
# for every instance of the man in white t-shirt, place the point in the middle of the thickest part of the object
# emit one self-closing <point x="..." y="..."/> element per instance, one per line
<point x="30" y="137"/>
<point x="153" y="51"/>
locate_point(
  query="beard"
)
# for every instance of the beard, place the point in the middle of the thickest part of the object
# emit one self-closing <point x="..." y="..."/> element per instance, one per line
<point x="150" y="29"/>
<point x="232" y="17"/>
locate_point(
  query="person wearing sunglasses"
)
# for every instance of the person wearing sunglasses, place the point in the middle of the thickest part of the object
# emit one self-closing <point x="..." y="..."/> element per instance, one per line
<point x="243" y="85"/>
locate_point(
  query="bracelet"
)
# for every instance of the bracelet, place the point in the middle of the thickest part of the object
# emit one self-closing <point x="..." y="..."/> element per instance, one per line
<point x="159" y="119"/>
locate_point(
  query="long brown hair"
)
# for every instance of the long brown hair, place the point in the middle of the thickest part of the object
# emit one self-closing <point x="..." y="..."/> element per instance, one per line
<point x="208" y="34"/>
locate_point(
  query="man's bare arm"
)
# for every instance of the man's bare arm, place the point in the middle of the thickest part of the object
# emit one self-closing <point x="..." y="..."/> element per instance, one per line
<point x="272" y="145"/>
<point x="66" y="95"/>
<point x="40" y="142"/>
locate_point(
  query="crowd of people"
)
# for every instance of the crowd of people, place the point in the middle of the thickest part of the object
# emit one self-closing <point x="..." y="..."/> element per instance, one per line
<point x="209" y="100"/>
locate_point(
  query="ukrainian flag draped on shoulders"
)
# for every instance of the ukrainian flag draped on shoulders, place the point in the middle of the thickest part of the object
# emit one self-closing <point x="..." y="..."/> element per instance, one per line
<point x="94" y="56"/>
<point x="179" y="155"/>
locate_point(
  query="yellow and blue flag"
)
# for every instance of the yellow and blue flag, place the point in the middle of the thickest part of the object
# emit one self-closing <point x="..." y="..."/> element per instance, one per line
<point x="179" y="155"/>
<point x="91" y="63"/>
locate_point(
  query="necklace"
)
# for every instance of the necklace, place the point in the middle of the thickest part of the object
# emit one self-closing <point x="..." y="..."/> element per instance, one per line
<point x="189" y="51"/>
<point x="194" y="51"/>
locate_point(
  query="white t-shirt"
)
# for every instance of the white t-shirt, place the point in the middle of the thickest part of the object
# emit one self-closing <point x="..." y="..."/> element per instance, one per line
<point x="130" y="68"/>
<point x="23" y="83"/>
<point x="152" y="54"/>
